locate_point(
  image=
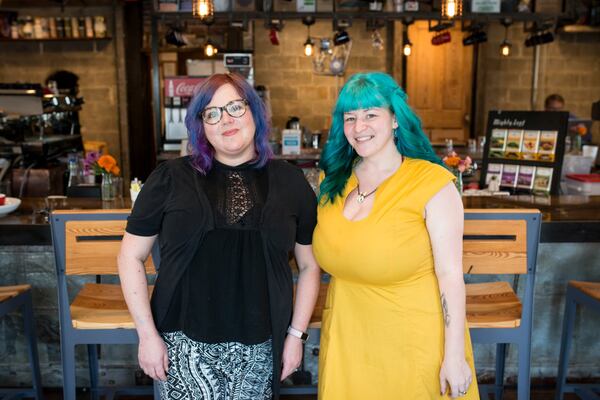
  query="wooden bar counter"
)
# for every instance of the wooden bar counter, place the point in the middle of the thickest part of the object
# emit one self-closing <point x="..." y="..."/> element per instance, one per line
<point x="573" y="219"/>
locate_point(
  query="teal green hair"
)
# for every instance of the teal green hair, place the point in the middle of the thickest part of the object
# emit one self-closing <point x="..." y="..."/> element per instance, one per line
<point x="369" y="90"/>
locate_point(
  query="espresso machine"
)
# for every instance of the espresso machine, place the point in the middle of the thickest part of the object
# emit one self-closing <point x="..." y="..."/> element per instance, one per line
<point x="37" y="130"/>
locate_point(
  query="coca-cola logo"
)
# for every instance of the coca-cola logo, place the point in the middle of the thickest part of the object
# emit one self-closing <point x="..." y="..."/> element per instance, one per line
<point x="182" y="88"/>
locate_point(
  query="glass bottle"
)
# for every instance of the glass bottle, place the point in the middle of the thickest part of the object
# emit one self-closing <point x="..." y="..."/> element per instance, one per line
<point x="99" y="27"/>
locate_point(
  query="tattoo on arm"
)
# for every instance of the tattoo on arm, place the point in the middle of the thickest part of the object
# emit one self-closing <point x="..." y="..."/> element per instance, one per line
<point x="445" y="312"/>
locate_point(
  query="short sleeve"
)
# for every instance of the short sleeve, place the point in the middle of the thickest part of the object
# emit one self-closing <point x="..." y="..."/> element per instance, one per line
<point x="149" y="207"/>
<point x="307" y="211"/>
<point x="434" y="178"/>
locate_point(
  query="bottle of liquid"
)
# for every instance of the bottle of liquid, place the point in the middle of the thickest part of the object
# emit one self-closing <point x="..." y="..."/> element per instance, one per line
<point x="74" y="176"/>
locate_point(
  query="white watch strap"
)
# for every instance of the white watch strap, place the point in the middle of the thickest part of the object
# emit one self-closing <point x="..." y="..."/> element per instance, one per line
<point x="299" y="334"/>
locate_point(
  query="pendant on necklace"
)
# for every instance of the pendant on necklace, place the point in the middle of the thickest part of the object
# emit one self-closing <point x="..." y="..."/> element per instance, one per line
<point x="360" y="198"/>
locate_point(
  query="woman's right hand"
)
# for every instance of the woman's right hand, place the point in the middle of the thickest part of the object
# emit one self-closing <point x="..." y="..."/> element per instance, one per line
<point x="153" y="357"/>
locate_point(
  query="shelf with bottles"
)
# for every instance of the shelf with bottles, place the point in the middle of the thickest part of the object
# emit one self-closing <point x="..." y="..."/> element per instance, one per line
<point x="40" y="40"/>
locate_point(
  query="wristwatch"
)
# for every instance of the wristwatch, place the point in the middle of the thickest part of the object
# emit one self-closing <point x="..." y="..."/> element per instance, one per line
<point x="299" y="334"/>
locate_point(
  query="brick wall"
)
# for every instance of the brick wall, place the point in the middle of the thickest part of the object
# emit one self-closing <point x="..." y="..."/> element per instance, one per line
<point x="287" y="73"/>
<point x="569" y="66"/>
<point x="96" y="66"/>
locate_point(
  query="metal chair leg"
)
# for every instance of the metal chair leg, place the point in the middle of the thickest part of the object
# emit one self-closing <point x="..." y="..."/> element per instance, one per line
<point x="500" y="364"/>
<point x="34" y="361"/>
<point x="523" y="379"/>
<point x="93" y="369"/>
<point x="156" y="390"/>
<point x="68" y="366"/>
<point x="565" y="345"/>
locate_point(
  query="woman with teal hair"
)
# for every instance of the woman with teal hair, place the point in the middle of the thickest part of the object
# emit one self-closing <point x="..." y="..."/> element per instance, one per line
<point x="389" y="232"/>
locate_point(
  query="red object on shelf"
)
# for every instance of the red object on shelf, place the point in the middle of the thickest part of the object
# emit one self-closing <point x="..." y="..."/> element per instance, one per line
<point x="591" y="178"/>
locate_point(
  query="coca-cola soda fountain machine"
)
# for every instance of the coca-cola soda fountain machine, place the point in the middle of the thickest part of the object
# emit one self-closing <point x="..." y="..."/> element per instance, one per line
<point x="178" y="92"/>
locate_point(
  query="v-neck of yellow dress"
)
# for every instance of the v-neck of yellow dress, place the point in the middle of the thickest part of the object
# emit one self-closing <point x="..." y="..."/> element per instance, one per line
<point x="353" y="183"/>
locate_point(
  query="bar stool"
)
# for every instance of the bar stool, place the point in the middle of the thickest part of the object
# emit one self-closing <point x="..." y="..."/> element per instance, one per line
<point x="584" y="294"/>
<point x="11" y="299"/>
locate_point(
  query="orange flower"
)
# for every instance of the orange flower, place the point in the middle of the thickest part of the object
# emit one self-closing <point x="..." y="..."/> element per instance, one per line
<point x="452" y="161"/>
<point x="115" y="170"/>
<point x="581" y="130"/>
<point x="107" y="163"/>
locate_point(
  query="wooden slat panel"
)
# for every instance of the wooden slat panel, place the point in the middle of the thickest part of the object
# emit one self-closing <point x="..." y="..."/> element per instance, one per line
<point x="494" y="256"/>
<point x="90" y="257"/>
<point x="492" y="305"/>
<point x="101" y="306"/>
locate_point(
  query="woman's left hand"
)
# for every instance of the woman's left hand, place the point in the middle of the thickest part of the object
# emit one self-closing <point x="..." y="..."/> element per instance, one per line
<point x="292" y="356"/>
<point x="456" y="376"/>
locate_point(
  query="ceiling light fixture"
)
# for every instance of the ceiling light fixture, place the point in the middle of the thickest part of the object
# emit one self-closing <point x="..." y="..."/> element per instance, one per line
<point x="203" y="9"/>
<point x="406" y="43"/>
<point x="309" y="44"/>
<point x="451" y="9"/>
<point x="505" y="46"/>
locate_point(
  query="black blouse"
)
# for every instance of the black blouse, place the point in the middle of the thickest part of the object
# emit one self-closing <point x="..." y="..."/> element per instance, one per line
<point x="175" y="204"/>
<point x="224" y="295"/>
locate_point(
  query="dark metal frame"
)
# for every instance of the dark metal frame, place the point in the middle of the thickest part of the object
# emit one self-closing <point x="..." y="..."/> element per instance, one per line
<point x="25" y="303"/>
<point x="574" y="298"/>
<point x="70" y="336"/>
<point x="521" y="336"/>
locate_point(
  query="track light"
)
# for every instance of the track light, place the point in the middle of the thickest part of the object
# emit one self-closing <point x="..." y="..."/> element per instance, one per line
<point x="474" y="38"/>
<point x="539" y="38"/>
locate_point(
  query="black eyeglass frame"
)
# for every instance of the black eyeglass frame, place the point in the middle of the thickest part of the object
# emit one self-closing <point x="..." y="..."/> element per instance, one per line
<point x="224" y="109"/>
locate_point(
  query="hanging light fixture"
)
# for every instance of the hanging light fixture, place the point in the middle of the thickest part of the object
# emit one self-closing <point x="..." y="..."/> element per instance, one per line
<point x="210" y="49"/>
<point x="309" y="44"/>
<point x="451" y="8"/>
<point x="406" y="44"/>
<point x="505" y="46"/>
<point x="203" y="9"/>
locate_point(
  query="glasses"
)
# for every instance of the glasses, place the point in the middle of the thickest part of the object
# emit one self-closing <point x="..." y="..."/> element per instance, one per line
<point x="235" y="108"/>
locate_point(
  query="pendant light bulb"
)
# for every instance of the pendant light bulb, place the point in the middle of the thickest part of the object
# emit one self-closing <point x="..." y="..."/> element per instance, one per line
<point x="451" y="8"/>
<point x="210" y="50"/>
<point x="407" y="49"/>
<point x="505" y="48"/>
<point x="308" y="47"/>
<point x="203" y="9"/>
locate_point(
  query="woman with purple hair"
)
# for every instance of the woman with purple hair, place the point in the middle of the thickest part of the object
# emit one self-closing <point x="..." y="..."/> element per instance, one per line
<point x="220" y="323"/>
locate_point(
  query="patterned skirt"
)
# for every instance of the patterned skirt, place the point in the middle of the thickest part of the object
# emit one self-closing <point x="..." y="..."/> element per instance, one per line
<point x="220" y="371"/>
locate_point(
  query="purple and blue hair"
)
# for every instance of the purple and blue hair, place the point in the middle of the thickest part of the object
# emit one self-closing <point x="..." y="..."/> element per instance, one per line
<point x="202" y="152"/>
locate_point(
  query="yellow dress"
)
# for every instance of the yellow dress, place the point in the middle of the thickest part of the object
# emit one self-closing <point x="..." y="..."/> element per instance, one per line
<point x="382" y="335"/>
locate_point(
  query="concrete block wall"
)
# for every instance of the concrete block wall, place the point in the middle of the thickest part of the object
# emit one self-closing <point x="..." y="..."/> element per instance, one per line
<point x="287" y="73"/>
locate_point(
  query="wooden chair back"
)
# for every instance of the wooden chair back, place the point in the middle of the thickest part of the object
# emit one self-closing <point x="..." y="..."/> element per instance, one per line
<point x="92" y="247"/>
<point x="495" y="246"/>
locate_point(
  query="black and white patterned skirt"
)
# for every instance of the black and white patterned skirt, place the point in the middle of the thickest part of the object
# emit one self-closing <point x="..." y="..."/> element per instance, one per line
<point x="221" y="371"/>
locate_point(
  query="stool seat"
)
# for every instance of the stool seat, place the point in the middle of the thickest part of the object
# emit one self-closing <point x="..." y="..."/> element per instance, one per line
<point x="492" y="305"/>
<point x="8" y="292"/>
<point x="592" y="289"/>
<point x="101" y="306"/>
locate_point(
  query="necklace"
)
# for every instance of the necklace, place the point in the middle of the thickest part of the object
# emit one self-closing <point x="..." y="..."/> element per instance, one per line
<point x="362" y="196"/>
